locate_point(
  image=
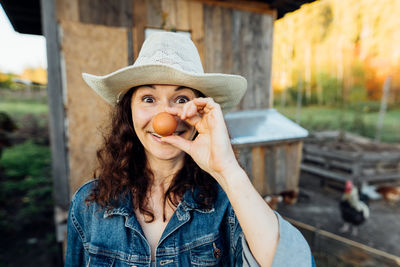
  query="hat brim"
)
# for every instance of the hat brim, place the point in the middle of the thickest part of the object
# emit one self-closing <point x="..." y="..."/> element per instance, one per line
<point x="225" y="89"/>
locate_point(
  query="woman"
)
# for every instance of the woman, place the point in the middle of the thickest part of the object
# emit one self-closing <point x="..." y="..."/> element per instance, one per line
<point x="178" y="200"/>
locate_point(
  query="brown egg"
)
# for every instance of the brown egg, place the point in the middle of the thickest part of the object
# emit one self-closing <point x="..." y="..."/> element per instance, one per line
<point x="164" y="124"/>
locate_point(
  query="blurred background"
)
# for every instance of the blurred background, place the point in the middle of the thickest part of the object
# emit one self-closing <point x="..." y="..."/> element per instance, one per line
<point x="332" y="67"/>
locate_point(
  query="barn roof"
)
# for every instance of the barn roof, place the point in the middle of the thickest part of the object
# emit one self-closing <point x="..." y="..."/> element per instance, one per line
<point x="25" y="15"/>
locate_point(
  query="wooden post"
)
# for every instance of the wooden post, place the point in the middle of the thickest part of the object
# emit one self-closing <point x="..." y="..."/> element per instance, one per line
<point x="352" y="252"/>
<point x="258" y="164"/>
<point x="382" y="111"/>
<point x="139" y="23"/>
<point x="60" y="171"/>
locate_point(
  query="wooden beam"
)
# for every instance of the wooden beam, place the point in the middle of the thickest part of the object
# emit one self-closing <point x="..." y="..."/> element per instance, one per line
<point x="343" y="248"/>
<point x="258" y="164"/>
<point x="139" y="24"/>
<point x="245" y="5"/>
<point x="58" y="139"/>
<point x="56" y="106"/>
<point x="196" y="24"/>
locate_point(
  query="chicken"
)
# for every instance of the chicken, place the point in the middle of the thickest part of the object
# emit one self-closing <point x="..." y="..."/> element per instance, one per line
<point x="370" y="191"/>
<point x="289" y="197"/>
<point x="273" y="200"/>
<point x="389" y="193"/>
<point x="354" y="208"/>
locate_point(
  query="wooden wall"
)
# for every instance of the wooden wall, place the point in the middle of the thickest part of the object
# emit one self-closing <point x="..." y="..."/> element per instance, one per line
<point x="273" y="168"/>
<point x="240" y="42"/>
<point x="93" y="49"/>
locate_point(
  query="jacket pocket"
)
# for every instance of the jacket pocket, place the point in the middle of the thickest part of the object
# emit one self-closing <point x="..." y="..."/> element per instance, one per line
<point x="99" y="260"/>
<point x="207" y="254"/>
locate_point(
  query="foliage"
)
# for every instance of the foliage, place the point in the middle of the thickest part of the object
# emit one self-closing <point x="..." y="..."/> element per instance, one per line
<point x="348" y="40"/>
<point x="37" y="75"/>
<point x="26" y="171"/>
<point x="26" y="191"/>
<point x="361" y="122"/>
<point x="331" y="89"/>
<point x="26" y="201"/>
<point x="5" y="81"/>
<point x="18" y="108"/>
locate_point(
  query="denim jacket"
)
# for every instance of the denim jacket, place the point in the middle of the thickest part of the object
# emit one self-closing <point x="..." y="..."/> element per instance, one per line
<point x="193" y="236"/>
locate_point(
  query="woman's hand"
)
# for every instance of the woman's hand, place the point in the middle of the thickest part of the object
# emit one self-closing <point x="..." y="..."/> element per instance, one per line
<point x="211" y="149"/>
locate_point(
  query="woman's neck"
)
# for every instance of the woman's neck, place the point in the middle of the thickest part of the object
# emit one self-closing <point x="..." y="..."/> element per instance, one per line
<point x="164" y="170"/>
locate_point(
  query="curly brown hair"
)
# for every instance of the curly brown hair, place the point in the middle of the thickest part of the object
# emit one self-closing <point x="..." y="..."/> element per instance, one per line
<point x="122" y="169"/>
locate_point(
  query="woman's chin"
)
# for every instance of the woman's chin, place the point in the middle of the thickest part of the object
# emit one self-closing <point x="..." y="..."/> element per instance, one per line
<point x="168" y="152"/>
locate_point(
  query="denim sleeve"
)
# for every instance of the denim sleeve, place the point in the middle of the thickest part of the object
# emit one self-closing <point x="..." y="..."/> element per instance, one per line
<point x="292" y="249"/>
<point x="76" y="254"/>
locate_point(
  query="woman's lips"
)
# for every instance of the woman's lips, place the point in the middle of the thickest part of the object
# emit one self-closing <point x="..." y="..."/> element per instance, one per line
<point x="157" y="136"/>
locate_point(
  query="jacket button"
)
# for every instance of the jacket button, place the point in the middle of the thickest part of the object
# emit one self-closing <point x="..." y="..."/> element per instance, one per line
<point x="217" y="251"/>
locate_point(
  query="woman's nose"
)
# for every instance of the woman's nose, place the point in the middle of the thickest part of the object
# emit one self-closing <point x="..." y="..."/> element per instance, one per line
<point x="163" y="107"/>
<point x="169" y="107"/>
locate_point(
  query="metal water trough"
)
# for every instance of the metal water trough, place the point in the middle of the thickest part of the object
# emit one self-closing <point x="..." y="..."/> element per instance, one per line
<point x="269" y="148"/>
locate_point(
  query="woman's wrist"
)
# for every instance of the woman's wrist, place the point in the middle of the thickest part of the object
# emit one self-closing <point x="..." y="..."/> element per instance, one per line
<point x="231" y="176"/>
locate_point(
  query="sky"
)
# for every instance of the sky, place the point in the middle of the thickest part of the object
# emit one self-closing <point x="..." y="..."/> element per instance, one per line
<point x="19" y="51"/>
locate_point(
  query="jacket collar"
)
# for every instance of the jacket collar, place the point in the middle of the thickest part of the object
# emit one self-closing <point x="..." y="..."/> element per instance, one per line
<point x="125" y="206"/>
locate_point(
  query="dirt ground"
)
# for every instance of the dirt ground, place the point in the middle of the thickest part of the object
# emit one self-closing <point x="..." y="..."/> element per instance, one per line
<point x="320" y="208"/>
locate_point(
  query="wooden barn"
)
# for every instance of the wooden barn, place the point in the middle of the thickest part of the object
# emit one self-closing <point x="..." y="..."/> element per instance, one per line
<point x="99" y="37"/>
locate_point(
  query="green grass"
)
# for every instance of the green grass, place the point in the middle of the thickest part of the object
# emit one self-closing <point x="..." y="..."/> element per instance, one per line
<point x="26" y="202"/>
<point x="18" y="108"/>
<point x="317" y="118"/>
<point x="26" y="188"/>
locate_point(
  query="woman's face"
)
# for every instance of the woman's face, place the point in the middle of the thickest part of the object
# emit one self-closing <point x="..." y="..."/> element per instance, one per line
<point x="149" y="100"/>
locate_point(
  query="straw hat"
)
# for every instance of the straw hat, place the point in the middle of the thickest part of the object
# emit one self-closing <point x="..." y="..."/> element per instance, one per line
<point x="169" y="58"/>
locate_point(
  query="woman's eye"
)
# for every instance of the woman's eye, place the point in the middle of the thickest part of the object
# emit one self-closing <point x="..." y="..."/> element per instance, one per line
<point x="148" y="99"/>
<point x="182" y="100"/>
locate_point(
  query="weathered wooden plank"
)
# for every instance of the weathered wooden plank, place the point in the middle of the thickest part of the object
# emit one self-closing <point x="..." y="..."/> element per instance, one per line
<point x="154" y="13"/>
<point x="265" y="72"/>
<point x="348" y="250"/>
<point x="58" y="136"/>
<point x="215" y="42"/>
<point x="258" y="165"/>
<point x="325" y="173"/>
<point x="227" y="51"/>
<point x="281" y="167"/>
<point x="251" y="6"/>
<point x="235" y="39"/>
<point x="326" y="162"/>
<point x="380" y="177"/>
<point x="58" y="142"/>
<point x="81" y="54"/>
<point x="292" y="160"/>
<point x="245" y="43"/>
<point x="67" y="10"/>
<point x="245" y="160"/>
<point x="139" y="23"/>
<point x="106" y="12"/>
<point x="169" y="9"/>
<point x="341" y="155"/>
<point x="213" y="38"/>
<point x="343" y="176"/>
<point x="270" y="173"/>
<point x="196" y="24"/>
<point x="182" y="15"/>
